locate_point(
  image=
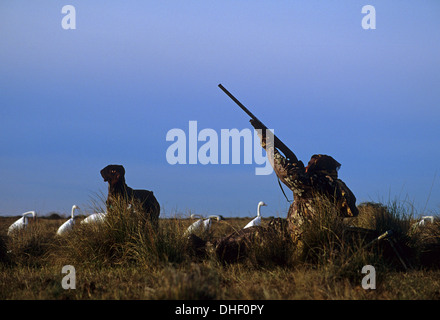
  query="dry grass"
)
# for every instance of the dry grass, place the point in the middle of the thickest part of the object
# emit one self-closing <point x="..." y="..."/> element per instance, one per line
<point x="125" y="258"/>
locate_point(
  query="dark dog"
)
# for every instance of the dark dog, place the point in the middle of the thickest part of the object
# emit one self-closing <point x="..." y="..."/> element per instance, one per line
<point x="118" y="189"/>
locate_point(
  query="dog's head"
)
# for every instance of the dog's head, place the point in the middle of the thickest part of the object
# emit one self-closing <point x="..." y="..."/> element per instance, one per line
<point x="113" y="173"/>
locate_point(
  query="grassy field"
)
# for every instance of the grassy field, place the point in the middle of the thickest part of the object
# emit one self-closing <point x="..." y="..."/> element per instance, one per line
<point x="126" y="259"/>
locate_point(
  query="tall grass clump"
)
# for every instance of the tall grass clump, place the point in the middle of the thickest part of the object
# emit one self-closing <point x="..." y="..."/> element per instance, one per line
<point x="272" y="246"/>
<point x="426" y="242"/>
<point x="322" y="240"/>
<point x="159" y="247"/>
<point x="126" y="236"/>
<point x="396" y="216"/>
<point x="30" y="246"/>
<point x="342" y="246"/>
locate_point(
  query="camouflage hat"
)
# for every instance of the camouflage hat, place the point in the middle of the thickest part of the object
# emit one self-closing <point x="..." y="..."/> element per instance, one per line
<point x="323" y="164"/>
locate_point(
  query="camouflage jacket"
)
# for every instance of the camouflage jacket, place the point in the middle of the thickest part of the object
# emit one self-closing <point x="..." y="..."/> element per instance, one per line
<point x="308" y="188"/>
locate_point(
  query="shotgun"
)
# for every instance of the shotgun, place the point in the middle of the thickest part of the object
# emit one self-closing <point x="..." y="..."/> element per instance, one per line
<point x="290" y="156"/>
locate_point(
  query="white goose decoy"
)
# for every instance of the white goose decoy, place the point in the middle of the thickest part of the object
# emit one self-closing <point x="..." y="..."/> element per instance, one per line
<point x="95" y="218"/>
<point x="202" y="224"/>
<point x="196" y="225"/>
<point x="425" y="220"/>
<point x="257" y="220"/>
<point x="218" y="217"/>
<point x="68" y="225"/>
<point x="22" y="222"/>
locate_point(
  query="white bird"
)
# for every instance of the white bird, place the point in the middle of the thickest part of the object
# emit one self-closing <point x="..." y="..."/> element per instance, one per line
<point x="218" y="217"/>
<point x="22" y="222"/>
<point x="425" y="220"/>
<point x="68" y="225"/>
<point x="257" y="220"/>
<point x="201" y="224"/>
<point x="95" y="218"/>
<point x="196" y="225"/>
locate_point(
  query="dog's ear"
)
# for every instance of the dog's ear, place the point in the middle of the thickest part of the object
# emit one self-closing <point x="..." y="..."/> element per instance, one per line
<point x="120" y="169"/>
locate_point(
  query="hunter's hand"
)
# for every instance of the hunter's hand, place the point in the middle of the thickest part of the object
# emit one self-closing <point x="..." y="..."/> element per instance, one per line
<point x="261" y="132"/>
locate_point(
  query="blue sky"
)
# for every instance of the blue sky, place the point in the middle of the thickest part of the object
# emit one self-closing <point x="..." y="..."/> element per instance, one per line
<point x="74" y="101"/>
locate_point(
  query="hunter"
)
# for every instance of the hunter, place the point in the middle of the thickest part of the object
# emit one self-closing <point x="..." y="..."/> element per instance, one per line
<point x="309" y="184"/>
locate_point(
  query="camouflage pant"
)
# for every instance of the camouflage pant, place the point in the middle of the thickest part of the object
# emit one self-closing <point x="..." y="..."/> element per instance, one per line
<point x="297" y="217"/>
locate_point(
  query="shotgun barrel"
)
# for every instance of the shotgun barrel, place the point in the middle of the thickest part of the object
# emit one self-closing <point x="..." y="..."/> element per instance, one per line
<point x="278" y="143"/>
